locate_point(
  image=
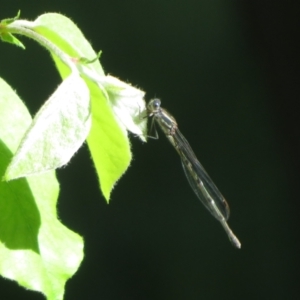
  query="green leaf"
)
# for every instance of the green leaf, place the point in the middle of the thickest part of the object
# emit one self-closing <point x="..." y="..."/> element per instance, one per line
<point x="116" y="106"/>
<point x="36" y="250"/>
<point x="10" y="20"/>
<point x="62" y="32"/>
<point x="128" y="105"/>
<point x="85" y="60"/>
<point x="9" y="38"/>
<point x="57" y="131"/>
<point x="108" y="141"/>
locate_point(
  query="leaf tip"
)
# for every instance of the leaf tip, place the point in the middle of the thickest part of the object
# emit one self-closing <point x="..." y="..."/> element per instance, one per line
<point x="9" y="175"/>
<point x="106" y="195"/>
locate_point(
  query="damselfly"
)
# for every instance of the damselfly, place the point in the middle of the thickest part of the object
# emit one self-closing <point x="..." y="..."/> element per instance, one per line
<point x="199" y="180"/>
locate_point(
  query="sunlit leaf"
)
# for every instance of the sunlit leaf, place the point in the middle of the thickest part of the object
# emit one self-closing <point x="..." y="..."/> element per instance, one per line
<point x="57" y="131"/>
<point x="36" y="250"/>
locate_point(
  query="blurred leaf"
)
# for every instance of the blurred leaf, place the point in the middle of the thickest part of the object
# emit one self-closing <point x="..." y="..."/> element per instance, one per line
<point x="36" y="250"/>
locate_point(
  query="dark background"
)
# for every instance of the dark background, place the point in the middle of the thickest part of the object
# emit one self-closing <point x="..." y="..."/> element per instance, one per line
<point x="228" y="72"/>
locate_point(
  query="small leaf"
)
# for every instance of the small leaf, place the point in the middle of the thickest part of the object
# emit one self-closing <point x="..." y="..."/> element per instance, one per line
<point x="36" y="250"/>
<point x="57" y="131"/>
<point x="9" y="38"/>
<point x="86" y="61"/>
<point x="128" y="105"/>
<point x="10" y="20"/>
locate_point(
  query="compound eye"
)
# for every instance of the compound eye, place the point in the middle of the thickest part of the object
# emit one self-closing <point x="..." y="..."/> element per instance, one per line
<point x="153" y="106"/>
<point x="156" y="103"/>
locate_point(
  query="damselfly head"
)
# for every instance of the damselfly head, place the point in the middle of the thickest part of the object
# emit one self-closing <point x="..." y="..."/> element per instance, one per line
<point x="154" y="105"/>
